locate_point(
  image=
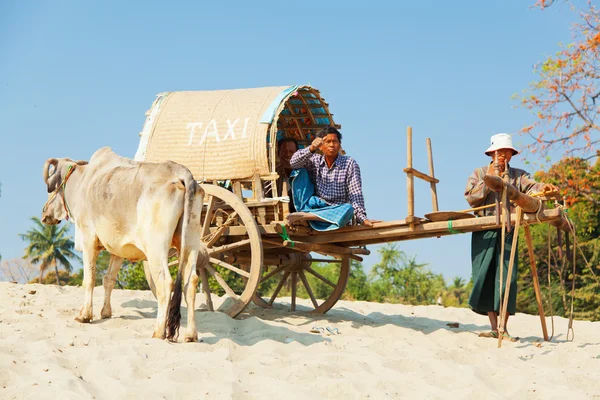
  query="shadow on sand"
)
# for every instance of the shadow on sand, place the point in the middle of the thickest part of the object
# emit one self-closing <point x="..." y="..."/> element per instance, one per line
<point x="245" y="330"/>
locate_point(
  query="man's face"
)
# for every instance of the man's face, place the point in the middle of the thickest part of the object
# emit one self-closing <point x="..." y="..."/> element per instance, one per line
<point x="286" y="151"/>
<point x="504" y="155"/>
<point x="331" y="145"/>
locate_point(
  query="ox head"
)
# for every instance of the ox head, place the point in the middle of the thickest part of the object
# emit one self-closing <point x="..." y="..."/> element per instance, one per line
<point x="56" y="173"/>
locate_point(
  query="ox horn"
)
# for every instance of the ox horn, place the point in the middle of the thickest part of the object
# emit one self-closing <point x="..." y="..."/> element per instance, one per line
<point x="81" y="162"/>
<point x="49" y="162"/>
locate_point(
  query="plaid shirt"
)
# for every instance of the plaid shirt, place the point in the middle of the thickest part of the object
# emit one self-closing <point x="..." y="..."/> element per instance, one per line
<point x="336" y="185"/>
<point x="478" y="194"/>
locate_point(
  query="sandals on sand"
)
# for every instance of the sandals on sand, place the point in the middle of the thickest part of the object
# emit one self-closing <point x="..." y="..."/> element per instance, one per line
<point x="494" y="335"/>
<point x="331" y="331"/>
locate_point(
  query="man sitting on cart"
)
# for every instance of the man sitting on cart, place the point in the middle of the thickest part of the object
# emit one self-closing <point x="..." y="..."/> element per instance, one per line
<point x="327" y="188"/>
<point x="286" y="148"/>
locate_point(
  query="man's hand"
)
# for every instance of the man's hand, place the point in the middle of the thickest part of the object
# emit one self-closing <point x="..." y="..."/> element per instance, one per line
<point x="315" y="144"/>
<point x="492" y="170"/>
<point x="370" y="222"/>
<point x="548" y="187"/>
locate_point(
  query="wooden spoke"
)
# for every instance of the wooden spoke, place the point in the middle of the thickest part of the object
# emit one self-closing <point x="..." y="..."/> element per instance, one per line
<point x="278" y="288"/>
<point x="228" y="247"/>
<point x="174" y="262"/>
<point x="294" y="289"/>
<point x="272" y="273"/>
<point x="221" y="281"/>
<point x="292" y="270"/>
<point x="208" y="216"/>
<point x="220" y="230"/>
<point x="229" y="267"/>
<point x="308" y="289"/>
<point x="321" y="277"/>
<point x="206" y="288"/>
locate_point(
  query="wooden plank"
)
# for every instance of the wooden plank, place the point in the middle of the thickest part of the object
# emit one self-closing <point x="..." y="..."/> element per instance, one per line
<point x="257" y="188"/>
<point x="382" y="235"/>
<point x="325" y="248"/>
<point x="421" y="175"/>
<point x="391" y="231"/>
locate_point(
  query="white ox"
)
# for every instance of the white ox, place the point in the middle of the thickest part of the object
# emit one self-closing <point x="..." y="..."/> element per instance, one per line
<point x="136" y="211"/>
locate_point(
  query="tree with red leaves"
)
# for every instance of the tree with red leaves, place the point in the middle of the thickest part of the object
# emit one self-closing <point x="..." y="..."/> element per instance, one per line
<point x="566" y="98"/>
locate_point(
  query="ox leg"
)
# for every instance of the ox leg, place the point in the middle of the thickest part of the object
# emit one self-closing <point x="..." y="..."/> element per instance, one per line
<point x="190" y="288"/>
<point x="109" y="281"/>
<point x="164" y="285"/>
<point x="90" y="254"/>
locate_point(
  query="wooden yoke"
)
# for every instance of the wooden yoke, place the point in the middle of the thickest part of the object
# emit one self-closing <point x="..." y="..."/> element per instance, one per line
<point x="410" y="181"/>
<point x="527" y="203"/>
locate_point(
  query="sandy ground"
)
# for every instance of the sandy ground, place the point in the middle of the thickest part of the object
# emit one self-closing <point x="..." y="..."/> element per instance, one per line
<point x="382" y="351"/>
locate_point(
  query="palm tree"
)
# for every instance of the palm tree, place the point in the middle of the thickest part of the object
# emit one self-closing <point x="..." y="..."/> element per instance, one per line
<point x="458" y="289"/>
<point x="49" y="245"/>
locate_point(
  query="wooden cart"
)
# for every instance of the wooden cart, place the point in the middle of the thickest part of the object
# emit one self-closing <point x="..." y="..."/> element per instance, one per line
<point x="228" y="140"/>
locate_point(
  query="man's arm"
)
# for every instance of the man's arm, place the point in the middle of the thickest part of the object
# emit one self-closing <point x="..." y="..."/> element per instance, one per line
<point x="528" y="185"/>
<point x="355" y="194"/>
<point x="476" y="190"/>
<point x="301" y="158"/>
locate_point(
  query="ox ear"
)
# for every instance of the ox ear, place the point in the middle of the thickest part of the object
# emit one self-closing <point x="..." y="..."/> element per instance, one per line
<point x="47" y="164"/>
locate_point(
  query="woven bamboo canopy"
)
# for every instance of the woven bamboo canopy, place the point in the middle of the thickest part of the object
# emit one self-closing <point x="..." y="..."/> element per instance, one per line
<point x="230" y="134"/>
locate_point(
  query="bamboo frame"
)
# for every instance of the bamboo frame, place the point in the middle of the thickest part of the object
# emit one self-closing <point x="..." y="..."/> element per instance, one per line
<point x="411" y="173"/>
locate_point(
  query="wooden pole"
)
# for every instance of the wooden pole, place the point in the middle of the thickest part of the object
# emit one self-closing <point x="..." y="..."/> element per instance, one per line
<point x="410" y="180"/>
<point x="434" y="198"/>
<point x="536" y="283"/>
<point x="513" y="253"/>
<point x="504" y="220"/>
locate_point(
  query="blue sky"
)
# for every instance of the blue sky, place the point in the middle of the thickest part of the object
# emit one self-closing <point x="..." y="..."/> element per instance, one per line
<point x="76" y="76"/>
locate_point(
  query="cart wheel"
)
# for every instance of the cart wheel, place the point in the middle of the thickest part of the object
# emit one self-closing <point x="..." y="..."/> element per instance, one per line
<point x="237" y="280"/>
<point x="300" y="276"/>
<point x="224" y="210"/>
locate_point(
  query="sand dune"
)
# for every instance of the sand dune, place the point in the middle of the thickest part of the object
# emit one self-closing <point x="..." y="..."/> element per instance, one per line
<point x="382" y="351"/>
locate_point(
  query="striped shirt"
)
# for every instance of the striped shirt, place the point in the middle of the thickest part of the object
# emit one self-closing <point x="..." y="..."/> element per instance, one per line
<point x="336" y="185"/>
<point x="478" y="194"/>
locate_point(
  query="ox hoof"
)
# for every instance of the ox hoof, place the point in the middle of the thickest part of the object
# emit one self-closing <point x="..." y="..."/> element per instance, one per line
<point x="158" y="336"/>
<point x="191" y="339"/>
<point x="83" y="320"/>
<point x="106" y="313"/>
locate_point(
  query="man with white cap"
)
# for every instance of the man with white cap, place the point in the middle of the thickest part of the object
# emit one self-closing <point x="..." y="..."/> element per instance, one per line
<point x="486" y="245"/>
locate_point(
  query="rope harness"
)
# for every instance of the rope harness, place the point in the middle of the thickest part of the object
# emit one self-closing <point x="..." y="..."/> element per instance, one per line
<point x="62" y="185"/>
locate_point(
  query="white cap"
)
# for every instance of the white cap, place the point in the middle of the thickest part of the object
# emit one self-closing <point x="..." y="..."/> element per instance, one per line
<point x="501" y="141"/>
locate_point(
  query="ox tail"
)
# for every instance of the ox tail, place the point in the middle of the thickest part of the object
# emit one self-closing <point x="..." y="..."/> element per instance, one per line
<point x="174" y="315"/>
<point x="190" y="243"/>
